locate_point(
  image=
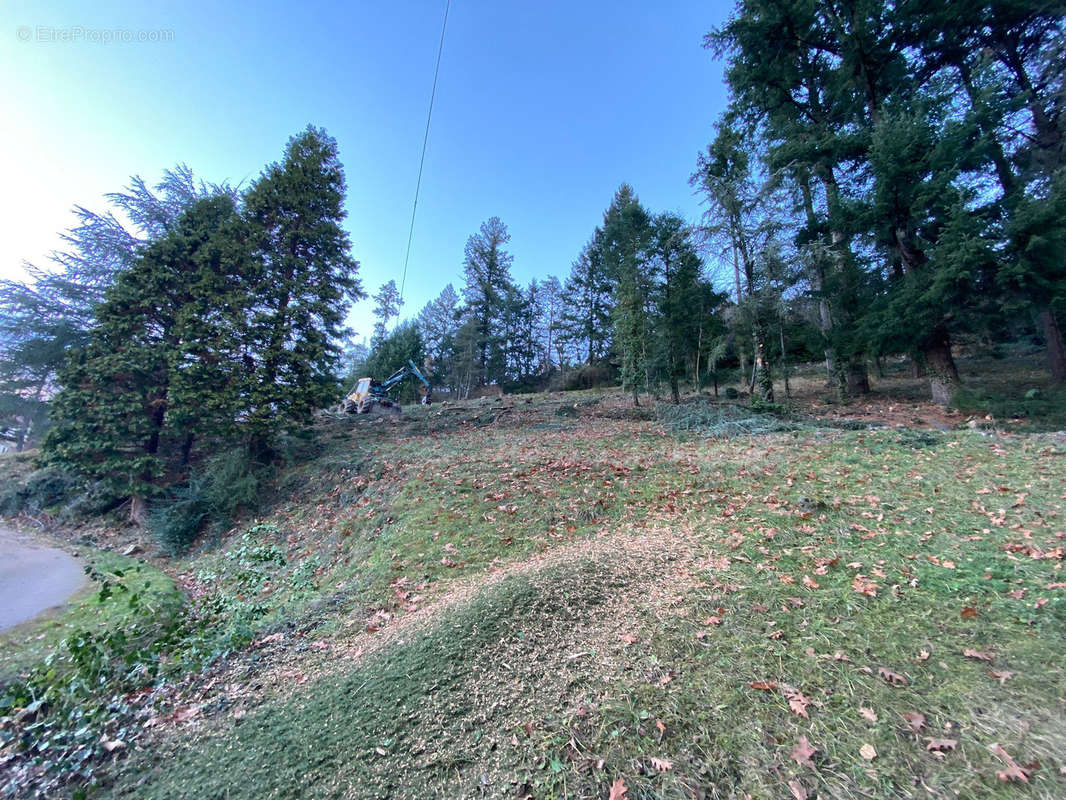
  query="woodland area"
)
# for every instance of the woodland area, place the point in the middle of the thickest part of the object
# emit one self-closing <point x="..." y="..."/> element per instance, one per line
<point x="762" y="504"/>
<point x="888" y="180"/>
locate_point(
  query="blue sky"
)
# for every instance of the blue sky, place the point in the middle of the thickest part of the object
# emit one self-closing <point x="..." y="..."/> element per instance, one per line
<point x="542" y="110"/>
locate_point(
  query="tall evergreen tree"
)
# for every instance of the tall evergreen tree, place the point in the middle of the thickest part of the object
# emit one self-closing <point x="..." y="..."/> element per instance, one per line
<point x="487" y="266"/>
<point x="387" y="304"/>
<point x="585" y="321"/>
<point x="163" y="363"/>
<point x="52" y="312"/>
<point x="305" y="280"/>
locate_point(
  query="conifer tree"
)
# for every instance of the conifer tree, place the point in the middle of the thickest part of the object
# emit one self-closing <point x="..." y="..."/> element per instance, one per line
<point x="305" y="280"/>
<point x="163" y="363"/>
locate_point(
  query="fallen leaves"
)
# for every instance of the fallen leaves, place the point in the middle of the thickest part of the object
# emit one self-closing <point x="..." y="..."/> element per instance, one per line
<point x="867" y="751"/>
<point x="915" y="720"/>
<point x="803" y="751"/>
<point x="798" y="703"/>
<point x="981" y="655"/>
<point x="1002" y="674"/>
<point x="864" y="585"/>
<point x="1013" y="772"/>
<point x="661" y="764"/>
<point x="798" y="792"/>
<point x="618" y="790"/>
<point x="968" y="612"/>
<point x="891" y="678"/>
<point x="765" y="686"/>
<point x="936" y="745"/>
<point x="868" y="714"/>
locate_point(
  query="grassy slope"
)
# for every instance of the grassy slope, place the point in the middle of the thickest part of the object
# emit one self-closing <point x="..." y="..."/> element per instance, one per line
<point x="673" y="578"/>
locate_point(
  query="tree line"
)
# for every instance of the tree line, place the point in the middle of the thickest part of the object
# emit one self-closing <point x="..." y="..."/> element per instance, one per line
<point x="887" y="179"/>
<point x="218" y="327"/>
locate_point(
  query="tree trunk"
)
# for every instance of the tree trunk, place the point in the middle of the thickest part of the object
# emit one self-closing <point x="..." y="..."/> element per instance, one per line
<point x="138" y="511"/>
<point x="784" y="362"/>
<point x="849" y="371"/>
<point x="763" y="376"/>
<point x="1056" y="352"/>
<point x="940" y="366"/>
<point x="858" y="379"/>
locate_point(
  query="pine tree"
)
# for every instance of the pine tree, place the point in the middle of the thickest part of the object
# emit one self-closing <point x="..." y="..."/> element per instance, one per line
<point x="487" y="266"/>
<point x="585" y="320"/>
<point x="52" y="312"/>
<point x="305" y="280"/>
<point x="626" y="235"/>
<point x="387" y="305"/>
<point x="162" y="366"/>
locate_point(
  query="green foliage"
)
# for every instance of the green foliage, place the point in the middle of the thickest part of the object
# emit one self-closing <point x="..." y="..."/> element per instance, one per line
<point x="238" y="579"/>
<point x="224" y="329"/>
<point x="724" y="420"/>
<point x="212" y="497"/>
<point x="487" y="267"/>
<point x="305" y="278"/>
<point x="53" y="312"/>
<point x="392" y="353"/>
<point x="39" y="491"/>
<point x="64" y="716"/>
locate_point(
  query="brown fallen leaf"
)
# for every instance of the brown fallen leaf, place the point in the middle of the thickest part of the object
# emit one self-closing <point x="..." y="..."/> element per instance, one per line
<point x="915" y="720"/>
<point x="968" y="612"/>
<point x="618" y="790"/>
<point x="661" y="764"/>
<point x="765" y="686"/>
<point x="868" y="714"/>
<point x="864" y="585"/>
<point x="867" y="751"/>
<point x="628" y="638"/>
<point x="803" y="751"/>
<point x="982" y="655"/>
<point x="798" y="792"/>
<point x="923" y="655"/>
<point x="893" y="678"/>
<point x="111" y="745"/>
<point x="1003" y="675"/>
<point x="713" y="621"/>
<point x="798" y="703"/>
<point x="660" y="726"/>
<point x="810" y="582"/>
<point x="1013" y="772"/>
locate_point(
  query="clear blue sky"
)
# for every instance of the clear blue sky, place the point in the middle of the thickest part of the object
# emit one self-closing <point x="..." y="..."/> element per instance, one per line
<point x="543" y="109"/>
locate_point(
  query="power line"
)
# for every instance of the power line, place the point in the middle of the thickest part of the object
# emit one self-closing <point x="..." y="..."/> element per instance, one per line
<point x="425" y="141"/>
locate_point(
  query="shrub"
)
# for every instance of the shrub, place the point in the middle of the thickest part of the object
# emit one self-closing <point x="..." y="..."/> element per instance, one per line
<point x="228" y="482"/>
<point x="587" y="376"/>
<point x="41" y="490"/>
<point x="723" y="420"/>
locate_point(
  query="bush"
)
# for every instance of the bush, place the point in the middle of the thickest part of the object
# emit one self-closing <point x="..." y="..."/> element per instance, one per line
<point x="723" y="420"/>
<point x="41" y="490"/>
<point x="587" y="376"/>
<point x="227" y="483"/>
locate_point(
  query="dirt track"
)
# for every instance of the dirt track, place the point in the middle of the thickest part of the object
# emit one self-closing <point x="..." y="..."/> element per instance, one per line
<point x="33" y="577"/>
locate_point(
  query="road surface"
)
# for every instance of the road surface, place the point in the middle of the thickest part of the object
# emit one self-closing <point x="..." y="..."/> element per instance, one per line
<point x="33" y="577"/>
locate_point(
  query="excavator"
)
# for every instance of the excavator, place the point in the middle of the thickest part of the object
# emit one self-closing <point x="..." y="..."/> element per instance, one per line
<point x="372" y="396"/>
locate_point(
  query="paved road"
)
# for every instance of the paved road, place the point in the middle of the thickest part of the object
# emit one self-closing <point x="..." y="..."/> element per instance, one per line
<point x="33" y="577"/>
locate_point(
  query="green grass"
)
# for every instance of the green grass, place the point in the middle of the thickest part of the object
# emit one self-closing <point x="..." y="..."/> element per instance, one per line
<point x="551" y="683"/>
<point x="27" y="645"/>
<point x="593" y="654"/>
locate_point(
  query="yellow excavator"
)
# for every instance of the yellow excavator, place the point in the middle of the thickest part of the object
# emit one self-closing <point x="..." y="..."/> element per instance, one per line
<point x="371" y="396"/>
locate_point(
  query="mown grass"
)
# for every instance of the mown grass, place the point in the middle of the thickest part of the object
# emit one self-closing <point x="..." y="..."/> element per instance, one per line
<point x="555" y="683"/>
